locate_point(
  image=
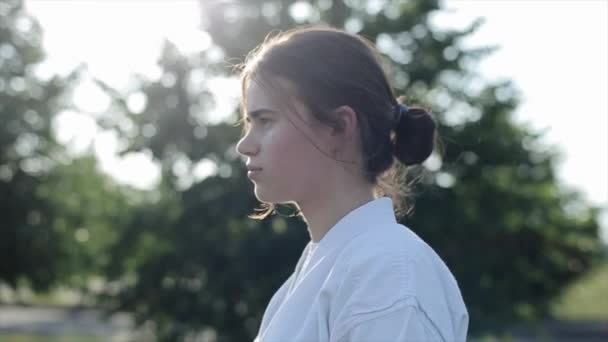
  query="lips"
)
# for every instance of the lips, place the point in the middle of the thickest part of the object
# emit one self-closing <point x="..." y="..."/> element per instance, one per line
<point x="253" y="170"/>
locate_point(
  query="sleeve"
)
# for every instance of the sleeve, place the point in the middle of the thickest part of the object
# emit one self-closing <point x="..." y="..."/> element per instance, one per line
<point x="405" y="323"/>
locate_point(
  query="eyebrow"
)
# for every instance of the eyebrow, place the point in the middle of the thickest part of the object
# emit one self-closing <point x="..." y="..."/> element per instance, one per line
<point x="256" y="113"/>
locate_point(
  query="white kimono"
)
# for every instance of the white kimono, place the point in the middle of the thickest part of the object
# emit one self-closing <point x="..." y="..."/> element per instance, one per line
<point x="368" y="279"/>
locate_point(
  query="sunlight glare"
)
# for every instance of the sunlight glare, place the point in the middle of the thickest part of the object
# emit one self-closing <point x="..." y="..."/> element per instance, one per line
<point x="114" y="40"/>
<point x="75" y="130"/>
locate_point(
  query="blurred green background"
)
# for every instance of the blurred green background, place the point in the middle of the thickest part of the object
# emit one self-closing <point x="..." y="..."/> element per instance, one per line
<point x="181" y="261"/>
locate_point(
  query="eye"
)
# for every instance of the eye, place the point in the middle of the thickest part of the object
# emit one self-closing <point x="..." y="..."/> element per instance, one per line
<point x="257" y="121"/>
<point x="264" y="121"/>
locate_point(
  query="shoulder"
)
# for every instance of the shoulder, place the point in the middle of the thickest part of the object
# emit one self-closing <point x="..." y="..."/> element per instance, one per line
<point x="391" y="266"/>
<point x="388" y="258"/>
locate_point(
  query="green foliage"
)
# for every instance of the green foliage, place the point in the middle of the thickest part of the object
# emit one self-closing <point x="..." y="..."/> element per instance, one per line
<point x="27" y="105"/>
<point x="90" y="211"/>
<point x="59" y="214"/>
<point x="494" y="211"/>
<point x="204" y="265"/>
<point x="512" y="236"/>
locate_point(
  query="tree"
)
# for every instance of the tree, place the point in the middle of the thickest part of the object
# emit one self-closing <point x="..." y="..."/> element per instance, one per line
<point x="89" y="210"/>
<point x="27" y="105"/>
<point x="59" y="213"/>
<point x="490" y="205"/>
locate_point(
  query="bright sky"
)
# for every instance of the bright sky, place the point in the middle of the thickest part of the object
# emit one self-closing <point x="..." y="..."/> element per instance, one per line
<point x="555" y="51"/>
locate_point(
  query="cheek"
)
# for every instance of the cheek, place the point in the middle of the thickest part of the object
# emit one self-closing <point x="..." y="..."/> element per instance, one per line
<point x="295" y="157"/>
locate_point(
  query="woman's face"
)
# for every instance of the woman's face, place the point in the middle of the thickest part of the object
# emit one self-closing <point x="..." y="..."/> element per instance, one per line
<point x="277" y="141"/>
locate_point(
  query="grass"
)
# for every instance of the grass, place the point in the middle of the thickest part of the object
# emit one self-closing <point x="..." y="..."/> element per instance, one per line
<point x="36" y="338"/>
<point x="587" y="299"/>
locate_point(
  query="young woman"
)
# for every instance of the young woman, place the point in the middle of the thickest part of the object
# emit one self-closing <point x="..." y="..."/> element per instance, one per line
<point x="323" y="131"/>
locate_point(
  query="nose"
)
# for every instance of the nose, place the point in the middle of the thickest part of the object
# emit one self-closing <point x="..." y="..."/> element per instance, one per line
<point x="246" y="146"/>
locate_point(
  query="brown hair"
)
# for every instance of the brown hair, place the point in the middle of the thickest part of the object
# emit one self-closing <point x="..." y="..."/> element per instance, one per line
<point x="330" y="68"/>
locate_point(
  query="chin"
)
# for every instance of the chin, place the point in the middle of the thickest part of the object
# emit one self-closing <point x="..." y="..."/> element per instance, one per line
<point x="263" y="195"/>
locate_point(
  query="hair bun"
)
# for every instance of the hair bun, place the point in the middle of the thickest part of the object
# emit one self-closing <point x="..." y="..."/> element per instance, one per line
<point x="414" y="135"/>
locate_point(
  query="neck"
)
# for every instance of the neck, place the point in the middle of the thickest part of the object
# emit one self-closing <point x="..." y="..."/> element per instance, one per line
<point x="323" y="212"/>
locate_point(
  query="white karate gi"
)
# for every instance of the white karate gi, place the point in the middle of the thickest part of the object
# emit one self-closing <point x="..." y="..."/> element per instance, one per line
<point x="369" y="279"/>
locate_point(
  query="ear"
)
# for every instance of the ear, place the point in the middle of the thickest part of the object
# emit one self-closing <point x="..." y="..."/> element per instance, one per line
<point x="346" y="121"/>
<point x="343" y="133"/>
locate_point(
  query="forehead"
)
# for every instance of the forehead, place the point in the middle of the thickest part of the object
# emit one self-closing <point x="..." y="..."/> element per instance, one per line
<point x="270" y="91"/>
<point x="258" y="95"/>
<point x="278" y="95"/>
